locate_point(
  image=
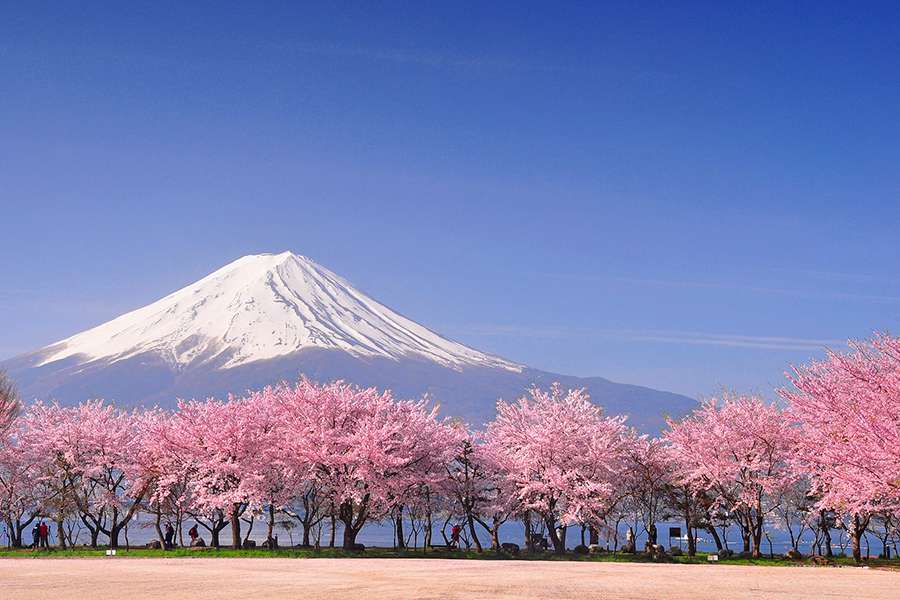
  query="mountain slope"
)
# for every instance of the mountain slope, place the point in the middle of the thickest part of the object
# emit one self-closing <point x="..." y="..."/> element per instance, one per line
<point x="270" y="317"/>
<point x="262" y="307"/>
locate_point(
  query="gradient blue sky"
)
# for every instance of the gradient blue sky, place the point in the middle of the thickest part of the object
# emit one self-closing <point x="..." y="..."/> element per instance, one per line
<point x="678" y="195"/>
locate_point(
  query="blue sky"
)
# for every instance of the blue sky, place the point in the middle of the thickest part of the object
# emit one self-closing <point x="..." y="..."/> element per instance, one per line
<point x="679" y="196"/>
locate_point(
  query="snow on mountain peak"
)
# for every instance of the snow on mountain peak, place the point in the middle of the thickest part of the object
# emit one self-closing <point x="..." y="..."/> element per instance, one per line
<point x="261" y="307"/>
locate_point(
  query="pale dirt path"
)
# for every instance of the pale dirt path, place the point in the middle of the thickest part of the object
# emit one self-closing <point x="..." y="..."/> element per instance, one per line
<point x="377" y="579"/>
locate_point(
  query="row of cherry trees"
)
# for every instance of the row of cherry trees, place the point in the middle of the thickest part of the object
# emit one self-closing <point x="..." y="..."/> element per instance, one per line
<point x="328" y="454"/>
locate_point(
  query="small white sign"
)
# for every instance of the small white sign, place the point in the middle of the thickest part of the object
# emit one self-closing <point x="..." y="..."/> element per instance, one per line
<point x="110" y="552"/>
<point x="712" y="557"/>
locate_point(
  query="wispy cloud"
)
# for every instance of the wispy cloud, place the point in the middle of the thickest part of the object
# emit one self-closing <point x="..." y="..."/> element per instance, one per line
<point x="759" y="289"/>
<point x="658" y="336"/>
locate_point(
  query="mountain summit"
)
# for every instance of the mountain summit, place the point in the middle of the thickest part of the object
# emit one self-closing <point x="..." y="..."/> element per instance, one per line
<point x="271" y="317"/>
<point x="262" y="307"/>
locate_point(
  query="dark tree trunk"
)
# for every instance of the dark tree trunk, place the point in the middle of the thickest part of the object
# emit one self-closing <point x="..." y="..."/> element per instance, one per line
<point x="594" y="535"/>
<point x="353" y="517"/>
<point x="826" y="534"/>
<point x="756" y="531"/>
<point x="159" y="532"/>
<point x="398" y="526"/>
<point x="692" y="539"/>
<point x="856" y="533"/>
<point x="333" y="530"/>
<point x="559" y="544"/>
<point x="529" y="541"/>
<point x="689" y="532"/>
<point x="270" y="530"/>
<point x="715" y="535"/>
<point x="471" y="523"/>
<point x="349" y="536"/>
<point x="235" y="527"/>
<point x="60" y="533"/>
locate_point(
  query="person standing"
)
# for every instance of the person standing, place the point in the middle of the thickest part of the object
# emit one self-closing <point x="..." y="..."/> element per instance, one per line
<point x="35" y="536"/>
<point x="194" y="534"/>
<point x="44" y="534"/>
<point x="170" y="536"/>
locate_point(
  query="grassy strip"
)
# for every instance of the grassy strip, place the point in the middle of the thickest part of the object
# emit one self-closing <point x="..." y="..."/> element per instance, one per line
<point x="392" y="553"/>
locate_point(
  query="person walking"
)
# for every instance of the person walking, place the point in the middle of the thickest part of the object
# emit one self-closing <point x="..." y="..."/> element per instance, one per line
<point x="454" y="536"/>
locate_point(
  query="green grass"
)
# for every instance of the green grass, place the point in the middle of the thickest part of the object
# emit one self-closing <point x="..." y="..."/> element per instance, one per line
<point x="400" y="554"/>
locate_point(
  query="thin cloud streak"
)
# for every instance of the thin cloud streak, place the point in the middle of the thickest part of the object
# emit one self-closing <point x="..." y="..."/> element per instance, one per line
<point x="662" y="336"/>
<point x="876" y="298"/>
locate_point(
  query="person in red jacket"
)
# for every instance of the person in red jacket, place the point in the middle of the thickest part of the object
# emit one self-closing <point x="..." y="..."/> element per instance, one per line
<point x="44" y="535"/>
<point x="454" y="536"/>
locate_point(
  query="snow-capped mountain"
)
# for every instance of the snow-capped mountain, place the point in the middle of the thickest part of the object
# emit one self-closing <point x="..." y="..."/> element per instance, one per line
<point x="271" y="317"/>
<point x="262" y="307"/>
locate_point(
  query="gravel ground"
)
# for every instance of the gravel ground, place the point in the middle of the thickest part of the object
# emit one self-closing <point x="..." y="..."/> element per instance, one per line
<point x="374" y="579"/>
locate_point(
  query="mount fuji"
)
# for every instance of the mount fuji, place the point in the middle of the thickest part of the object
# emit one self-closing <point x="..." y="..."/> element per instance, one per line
<point x="271" y="317"/>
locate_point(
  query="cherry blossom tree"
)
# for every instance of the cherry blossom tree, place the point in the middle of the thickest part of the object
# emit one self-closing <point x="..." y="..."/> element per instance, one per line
<point x="366" y="450"/>
<point x="560" y="454"/>
<point x="739" y="448"/>
<point x="647" y="477"/>
<point x="226" y="452"/>
<point x="92" y="455"/>
<point x="477" y="488"/>
<point x="848" y="408"/>
<point x="19" y="491"/>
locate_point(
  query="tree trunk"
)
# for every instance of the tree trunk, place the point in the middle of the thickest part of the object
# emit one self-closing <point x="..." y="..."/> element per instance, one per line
<point x="249" y="530"/>
<point x="114" y="531"/>
<point x="349" y="535"/>
<point x="159" y="532"/>
<point x="471" y="523"/>
<point x="235" y="528"/>
<point x="559" y="544"/>
<point x="270" y="530"/>
<point x="856" y="533"/>
<point x="333" y="529"/>
<point x="526" y="522"/>
<point x="398" y="526"/>
<point x="715" y="535"/>
<point x="756" y="531"/>
<point x="428" y="532"/>
<point x="689" y="527"/>
<point x="826" y="533"/>
<point x="594" y="535"/>
<point x="60" y="533"/>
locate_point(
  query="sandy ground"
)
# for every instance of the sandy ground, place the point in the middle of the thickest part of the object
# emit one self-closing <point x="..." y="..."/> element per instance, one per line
<point x="374" y="579"/>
